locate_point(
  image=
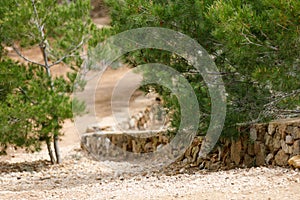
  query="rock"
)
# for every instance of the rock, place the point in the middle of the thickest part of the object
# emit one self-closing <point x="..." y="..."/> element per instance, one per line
<point x="182" y="170"/>
<point x="90" y="130"/>
<point x="276" y="141"/>
<point x="257" y="147"/>
<point x="271" y="128"/>
<point x="294" y="161"/>
<point x="281" y="130"/>
<point x="289" y="129"/>
<point x="261" y="154"/>
<point x="286" y="148"/>
<point x="248" y="161"/>
<point x="296" y="147"/>
<point x="269" y="158"/>
<point x="269" y="141"/>
<point x="195" y="152"/>
<point x="281" y="158"/>
<point x="253" y="134"/>
<point x="235" y="150"/>
<point x="251" y="149"/>
<point x="148" y="147"/>
<point x="289" y="139"/>
<point x="296" y="133"/>
<point x="185" y="161"/>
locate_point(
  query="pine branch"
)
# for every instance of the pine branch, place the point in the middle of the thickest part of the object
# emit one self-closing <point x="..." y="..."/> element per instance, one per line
<point x="25" y="58"/>
<point x="69" y="54"/>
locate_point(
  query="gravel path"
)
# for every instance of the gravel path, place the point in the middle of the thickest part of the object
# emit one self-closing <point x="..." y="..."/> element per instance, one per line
<point x="81" y="178"/>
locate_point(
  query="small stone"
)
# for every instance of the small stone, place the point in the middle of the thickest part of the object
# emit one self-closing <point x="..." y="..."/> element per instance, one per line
<point x="269" y="158"/>
<point x="185" y="161"/>
<point x="294" y="161"/>
<point x="289" y="139"/>
<point x="202" y="166"/>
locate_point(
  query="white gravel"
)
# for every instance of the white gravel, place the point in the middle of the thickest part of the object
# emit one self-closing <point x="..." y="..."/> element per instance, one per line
<point x="81" y="178"/>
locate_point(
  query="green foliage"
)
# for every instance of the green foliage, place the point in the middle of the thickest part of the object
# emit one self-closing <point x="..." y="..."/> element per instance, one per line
<point x="255" y="45"/>
<point x="30" y="110"/>
<point x="34" y="103"/>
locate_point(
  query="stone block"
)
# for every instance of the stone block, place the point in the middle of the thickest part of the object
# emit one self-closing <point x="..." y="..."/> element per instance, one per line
<point x="253" y="134"/>
<point x="281" y="158"/>
<point x="294" y="161"/>
<point x="296" y="133"/>
<point x="261" y="155"/>
<point x="276" y="141"/>
<point x="269" y="158"/>
<point x="286" y="148"/>
<point x="296" y="147"/>
<point x="256" y="147"/>
<point x="289" y="139"/>
<point x="271" y="129"/>
<point x="269" y="141"/>
<point x="248" y="160"/>
<point x="235" y="150"/>
<point x="281" y="130"/>
<point x="250" y="150"/>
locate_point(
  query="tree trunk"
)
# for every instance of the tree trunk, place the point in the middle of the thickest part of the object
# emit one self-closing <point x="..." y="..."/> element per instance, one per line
<point x="56" y="149"/>
<point x="50" y="151"/>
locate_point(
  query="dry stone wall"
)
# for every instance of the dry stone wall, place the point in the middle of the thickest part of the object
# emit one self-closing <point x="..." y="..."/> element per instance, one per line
<point x="272" y="144"/>
<point x="263" y="144"/>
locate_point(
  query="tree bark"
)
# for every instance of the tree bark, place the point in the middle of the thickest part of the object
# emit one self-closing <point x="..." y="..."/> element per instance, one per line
<point x="50" y="151"/>
<point x="56" y="149"/>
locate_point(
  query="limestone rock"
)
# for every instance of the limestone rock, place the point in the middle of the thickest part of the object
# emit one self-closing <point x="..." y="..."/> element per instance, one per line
<point x="296" y="147"/>
<point x="294" y="161"/>
<point x="269" y="158"/>
<point x="253" y="134"/>
<point x="236" y="148"/>
<point x="286" y="148"/>
<point x="281" y="130"/>
<point x="289" y="129"/>
<point x="248" y="161"/>
<point x="281" y="158"/>
<point x="271" y="128"/>
<point x="289" y="139"/>
<point x="296" y="133"/>
<point x="269" y="141"/>
<point x="195" y="152"/>
<point x="261" y="154"/>
<point x="276" y="141"/>
<point x="257" y="147"/>
<point x="251" y="149"/>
